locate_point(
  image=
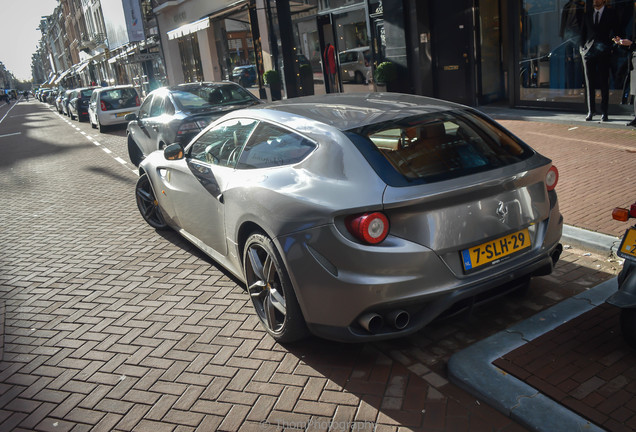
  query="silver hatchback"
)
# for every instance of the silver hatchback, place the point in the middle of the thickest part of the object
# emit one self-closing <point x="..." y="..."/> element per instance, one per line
<point x="359" y="217"/>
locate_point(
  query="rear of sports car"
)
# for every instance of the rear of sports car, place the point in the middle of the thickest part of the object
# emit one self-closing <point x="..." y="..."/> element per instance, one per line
<point x="468" y="211"/>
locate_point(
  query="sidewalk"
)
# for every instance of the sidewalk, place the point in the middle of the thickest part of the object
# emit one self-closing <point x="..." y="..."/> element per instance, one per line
<point x="566" y="368"/>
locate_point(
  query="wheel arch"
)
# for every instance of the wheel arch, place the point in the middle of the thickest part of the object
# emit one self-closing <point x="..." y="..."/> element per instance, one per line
<point x="246" y="229"/>
<point x="135" y="153"/>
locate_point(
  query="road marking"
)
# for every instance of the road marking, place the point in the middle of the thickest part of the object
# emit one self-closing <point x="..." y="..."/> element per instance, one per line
<point x="572" y="128"/>
<point x="11" y="134"/>
<point x="7" y="113"/>
<point x="134" y="170"/>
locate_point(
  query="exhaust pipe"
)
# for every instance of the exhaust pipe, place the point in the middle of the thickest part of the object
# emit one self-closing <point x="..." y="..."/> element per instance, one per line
<point x="399" y="319"/>
<point x="371" y="322"/>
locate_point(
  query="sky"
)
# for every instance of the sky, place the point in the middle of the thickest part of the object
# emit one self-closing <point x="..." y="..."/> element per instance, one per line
<point x="19" y="35"/>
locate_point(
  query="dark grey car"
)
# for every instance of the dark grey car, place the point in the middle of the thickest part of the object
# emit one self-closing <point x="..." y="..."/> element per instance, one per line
<point x="176" y="114"/>
<point x="359" y="217"/>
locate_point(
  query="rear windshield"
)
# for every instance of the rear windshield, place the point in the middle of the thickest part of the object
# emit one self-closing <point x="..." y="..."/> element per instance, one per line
<point x="87" y="93"/>
<point x="436" y="147"/>
<point x="119" y="98"/>
<point x="209" y="96"/>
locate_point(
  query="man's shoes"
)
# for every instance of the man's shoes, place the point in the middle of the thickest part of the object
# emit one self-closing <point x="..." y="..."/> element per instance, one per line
<point x="604" y="118"/>
<point x="631" y="123"/>
<point x="589" y="117"/>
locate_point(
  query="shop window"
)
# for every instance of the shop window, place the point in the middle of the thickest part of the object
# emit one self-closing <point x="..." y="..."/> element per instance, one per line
<point x="550" y="65"/>
<point x="190" y="58"/>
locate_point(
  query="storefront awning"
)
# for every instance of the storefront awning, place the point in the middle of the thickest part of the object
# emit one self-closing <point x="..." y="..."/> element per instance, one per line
<point x="186" y="29"/>
<point x="81" y="67"/>
<point x="61" y="77"/>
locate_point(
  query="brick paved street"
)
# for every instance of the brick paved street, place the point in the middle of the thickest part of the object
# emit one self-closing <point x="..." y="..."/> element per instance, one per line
<point x="595" y="169"/>
<point x="111" y="325"/>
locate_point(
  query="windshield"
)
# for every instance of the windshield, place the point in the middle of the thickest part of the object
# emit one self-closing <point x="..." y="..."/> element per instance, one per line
<point x="437" y="146"/>
<point x="209" y="96"/>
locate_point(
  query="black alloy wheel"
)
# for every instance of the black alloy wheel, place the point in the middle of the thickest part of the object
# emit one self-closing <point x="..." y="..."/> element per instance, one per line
<point x="148" y="204"/>
<point x="270" y="290"/>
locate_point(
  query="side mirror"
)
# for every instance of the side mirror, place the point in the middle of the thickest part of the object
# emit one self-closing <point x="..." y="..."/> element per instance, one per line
<point x="130" y="117"/>
<point x="173" y="151"/>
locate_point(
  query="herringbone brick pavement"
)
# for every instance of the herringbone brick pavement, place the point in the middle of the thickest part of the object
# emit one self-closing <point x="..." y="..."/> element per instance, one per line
<point x="110" y="325"/>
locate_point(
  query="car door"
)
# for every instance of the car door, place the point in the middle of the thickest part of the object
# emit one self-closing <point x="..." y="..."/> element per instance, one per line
<point x="140" y="131"/>
<point x="195" y="185"/>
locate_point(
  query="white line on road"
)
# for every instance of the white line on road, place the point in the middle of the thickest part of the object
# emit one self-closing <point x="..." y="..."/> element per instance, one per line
<point x="134" y="170"/>
<point x="7" y="113"/>
<point x="11" y="134"/>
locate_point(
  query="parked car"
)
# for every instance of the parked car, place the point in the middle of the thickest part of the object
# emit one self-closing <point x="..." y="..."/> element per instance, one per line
<point x="58" y="101"/>
<point x="109" y="106"/>
<point x="359" y="216"/>
<point x="65" y="99"/>
<point x="78" y="103"/>
<point x="244" y="75"/>
<point x="176" y="114"/>
<point x="50" y="97"/>
<point x="355" y="65"/>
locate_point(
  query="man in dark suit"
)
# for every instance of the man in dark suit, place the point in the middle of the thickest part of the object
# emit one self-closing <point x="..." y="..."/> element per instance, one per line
<point x="599" y="27"/>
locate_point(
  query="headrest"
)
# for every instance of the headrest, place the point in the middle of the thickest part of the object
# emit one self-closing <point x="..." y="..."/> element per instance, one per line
<point x="432" y="130"/>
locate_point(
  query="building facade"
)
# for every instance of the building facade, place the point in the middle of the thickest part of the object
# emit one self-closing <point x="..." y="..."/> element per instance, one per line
<point x="523" y="53"/>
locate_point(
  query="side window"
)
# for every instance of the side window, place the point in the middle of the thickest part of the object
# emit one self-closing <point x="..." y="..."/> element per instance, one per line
<point x="168" y="107"/>
<point x="272" y="146"/>
<point x="156" y="109"/>
<point x="222" y="144"/>
<point x="144" y="110"/>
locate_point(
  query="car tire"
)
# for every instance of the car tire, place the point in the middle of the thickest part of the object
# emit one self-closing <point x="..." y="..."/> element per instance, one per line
<point x="270" y="290"/>
<point x="148" y="205"/>
<point x="101" y="127"/>
<point x="628" y="326"/>
<point x="134" y="152"/>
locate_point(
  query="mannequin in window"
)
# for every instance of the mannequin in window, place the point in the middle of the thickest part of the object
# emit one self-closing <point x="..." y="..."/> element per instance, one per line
<point x="599" y="27"/>
<point x="570" y="31"/>
<point x="330" y="68"/>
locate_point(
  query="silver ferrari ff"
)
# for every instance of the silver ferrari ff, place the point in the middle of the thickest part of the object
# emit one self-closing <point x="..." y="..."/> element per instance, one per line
<point x="359" y="217"/>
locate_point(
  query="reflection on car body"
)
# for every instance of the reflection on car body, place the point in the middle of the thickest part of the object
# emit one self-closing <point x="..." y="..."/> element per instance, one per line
<point x="359" y="217"/>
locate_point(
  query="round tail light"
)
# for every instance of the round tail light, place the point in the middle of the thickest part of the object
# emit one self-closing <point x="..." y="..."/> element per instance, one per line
<point x="371" y="228"/>
<point x="552" y="178"/>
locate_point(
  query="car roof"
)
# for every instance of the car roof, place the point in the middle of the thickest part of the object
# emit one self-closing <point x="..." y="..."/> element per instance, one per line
<point x="115" y="87"/>
<point x="364" y="48"/>
<point x="200" y="84"/>
<point x="353" y="110"/>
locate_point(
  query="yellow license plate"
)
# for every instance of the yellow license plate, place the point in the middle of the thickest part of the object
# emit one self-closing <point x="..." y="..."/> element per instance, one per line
<point x="121" y="114"/>
<point x="627" y="248"/>
<point x="493" y="251"/>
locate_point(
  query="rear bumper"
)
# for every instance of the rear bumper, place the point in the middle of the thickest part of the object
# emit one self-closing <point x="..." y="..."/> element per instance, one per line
<point x="334" y="291"/>
<point x="110" y="119"/>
